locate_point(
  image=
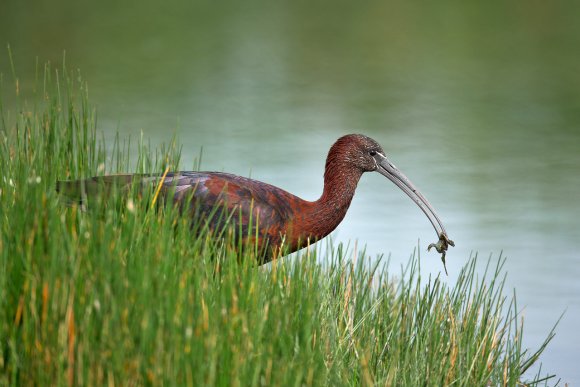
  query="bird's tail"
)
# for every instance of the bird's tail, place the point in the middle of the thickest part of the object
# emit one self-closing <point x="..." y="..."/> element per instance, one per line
<point x="80" y="192"/>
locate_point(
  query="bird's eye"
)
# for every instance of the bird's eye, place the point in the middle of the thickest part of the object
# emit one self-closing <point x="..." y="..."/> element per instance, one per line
<point x="373" y="153"/>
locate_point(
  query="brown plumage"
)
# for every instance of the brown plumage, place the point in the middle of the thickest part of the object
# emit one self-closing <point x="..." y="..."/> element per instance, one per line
<point x="281" y="221"/>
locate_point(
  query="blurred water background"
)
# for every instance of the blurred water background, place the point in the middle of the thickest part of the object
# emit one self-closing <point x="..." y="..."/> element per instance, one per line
<point x="477" y="102"/>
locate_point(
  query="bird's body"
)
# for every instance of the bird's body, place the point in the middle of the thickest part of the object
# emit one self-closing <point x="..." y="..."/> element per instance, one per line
<point x="273" y="219"/>
<point x="261" y="213"/>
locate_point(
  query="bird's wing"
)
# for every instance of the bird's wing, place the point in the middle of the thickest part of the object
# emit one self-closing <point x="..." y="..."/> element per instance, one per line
<point x="258" y="211"/>
<point x="248" y="202"/>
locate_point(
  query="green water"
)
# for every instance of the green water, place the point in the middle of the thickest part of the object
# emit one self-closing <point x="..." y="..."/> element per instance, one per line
<point x="479" y="104"/>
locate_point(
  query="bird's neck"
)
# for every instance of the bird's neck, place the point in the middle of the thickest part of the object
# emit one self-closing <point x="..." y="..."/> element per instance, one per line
<point x="325" y="214"/>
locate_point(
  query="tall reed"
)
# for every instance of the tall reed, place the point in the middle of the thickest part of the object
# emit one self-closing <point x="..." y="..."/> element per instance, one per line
<point x="125" y="295"/>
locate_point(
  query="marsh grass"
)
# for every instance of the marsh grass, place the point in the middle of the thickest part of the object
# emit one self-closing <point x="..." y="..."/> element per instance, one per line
<point x="126" y="295"/>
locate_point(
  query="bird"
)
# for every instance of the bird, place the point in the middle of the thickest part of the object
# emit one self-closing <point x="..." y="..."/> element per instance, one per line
<point x="270" y="218"/>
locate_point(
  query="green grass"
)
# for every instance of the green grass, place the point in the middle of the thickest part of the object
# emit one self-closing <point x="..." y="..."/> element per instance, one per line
<point x="128" y="296"/>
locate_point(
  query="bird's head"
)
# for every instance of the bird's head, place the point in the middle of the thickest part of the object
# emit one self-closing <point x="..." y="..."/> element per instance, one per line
<point x="359" y="154"/>
<point x="356" y="151"/>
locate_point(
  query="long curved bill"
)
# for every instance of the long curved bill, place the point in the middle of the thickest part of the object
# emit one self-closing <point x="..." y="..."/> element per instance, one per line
<point x="387" y="169"/>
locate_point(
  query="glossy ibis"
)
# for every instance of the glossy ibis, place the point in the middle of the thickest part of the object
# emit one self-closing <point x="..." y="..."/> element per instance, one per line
<point x="274" y="219"/>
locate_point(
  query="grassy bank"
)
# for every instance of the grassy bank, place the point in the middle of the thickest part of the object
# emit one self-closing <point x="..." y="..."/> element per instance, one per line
<point x="122" y="295"/>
